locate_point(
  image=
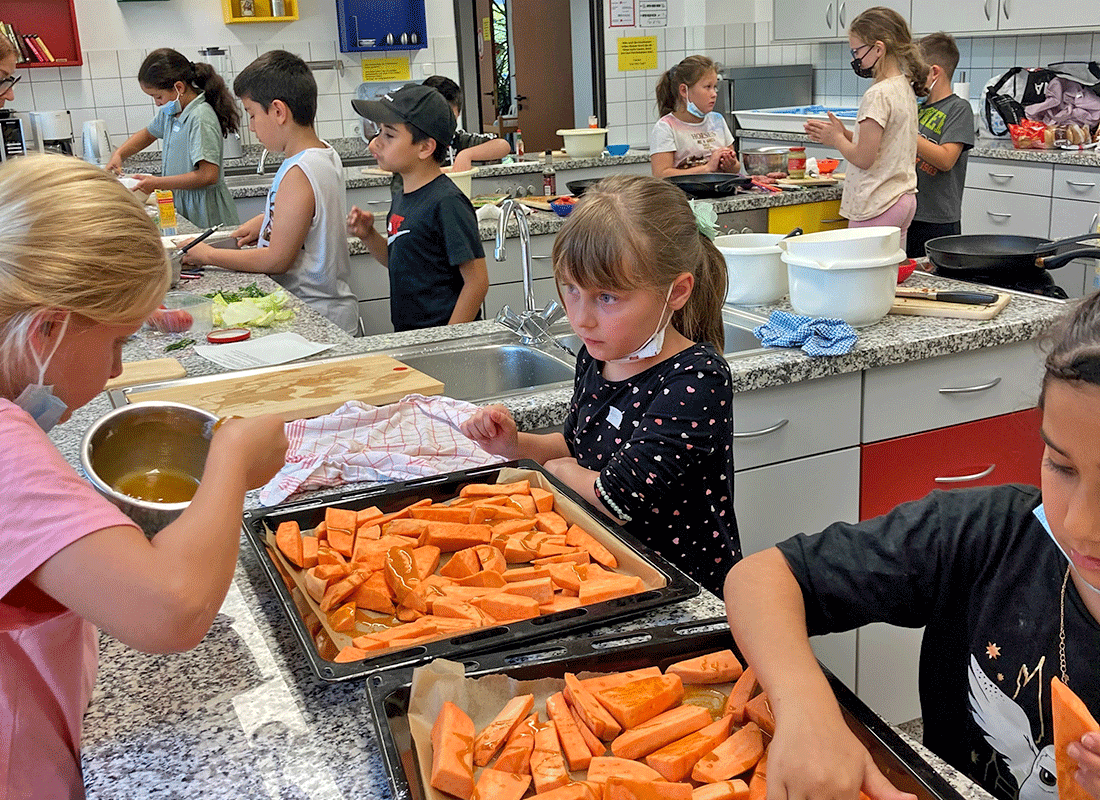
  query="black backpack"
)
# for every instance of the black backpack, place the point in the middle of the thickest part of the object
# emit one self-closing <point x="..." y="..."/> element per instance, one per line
<point x="1004" y="97"/>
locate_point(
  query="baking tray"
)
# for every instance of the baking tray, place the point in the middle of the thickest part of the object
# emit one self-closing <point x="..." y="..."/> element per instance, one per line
<point x="678" y="586"/>
<point x="388" y="697"/>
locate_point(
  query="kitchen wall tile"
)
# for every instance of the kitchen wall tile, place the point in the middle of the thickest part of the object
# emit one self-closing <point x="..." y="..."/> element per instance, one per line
<point x="446" y="49"/>
<point x="1095" y="52"/>
<point x="736" y="57"/>
<point x="834" y="55"/>
<point x="639" y="112"/>
<point x="242" y="55"/>
<point x="329" y="107"/>
<point x="763" y="32"/>
<point x="136" y="119"/>
<point x="1078" y="47"/>
<point x="115" y="117"/>
<point x="129" y="62"/>
<point x="714" y="37"/>
<point x="980" y="77"/>
<point x="676" y="56"/>
<point x="1004" y="52"/>
<point x="322" y="51"/>
<point x="981" y="54"/>
<point x="637" y="87"/>
<point x="79" y="116"/>
<point x="611" y="63"/>
<point x="102" y="63"/>
<point x="637" y="134"/>
<point x="674" y="38"/>
<point x="750" y="57"/>
<point x="735" y="34"/>
<point x="44" y="74"/>
<point x="616" y="90"/>
<point x="616" y="113"/>
<point x="803" y="54"/>
<point x="964" y="43"/>
<point x="789" y="54"/>
<point x="333" y="129"/>
<point x="78" y="94"/>
<point x="1052" y="48"/>
<point x="1027" y="51"/>
<point x="850" y="84"/>
<point x="833" y="82"/>
<point x="132" y="94"/>
<point x="657" y="33"/>
<point x="328" y="81"/>
<point x="44" y="96"/>
<point x="107" y="92"/>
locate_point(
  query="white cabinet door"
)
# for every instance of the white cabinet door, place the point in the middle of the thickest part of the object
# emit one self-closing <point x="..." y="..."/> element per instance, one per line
<point x="828" y="485"/>
<point x="1069" y="218"/>
<point x="799" y="19"/>
<point x="985" y="211"/>
<point x="850" y="9"/>
<point x="1028" y="15"/>
<point x="962" y="15"/>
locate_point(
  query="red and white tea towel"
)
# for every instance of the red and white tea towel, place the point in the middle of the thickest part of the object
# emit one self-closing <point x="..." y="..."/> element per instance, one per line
<point x="413" y="438"/>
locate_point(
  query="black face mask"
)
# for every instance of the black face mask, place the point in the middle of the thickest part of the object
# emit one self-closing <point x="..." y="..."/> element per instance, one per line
<point x="862" y="71"/>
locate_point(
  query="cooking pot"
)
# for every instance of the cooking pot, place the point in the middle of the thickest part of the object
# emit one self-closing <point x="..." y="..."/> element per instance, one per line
<point x="710" y="184"/>
<point x="969" y="254"/>
<point x="577" y="187"/>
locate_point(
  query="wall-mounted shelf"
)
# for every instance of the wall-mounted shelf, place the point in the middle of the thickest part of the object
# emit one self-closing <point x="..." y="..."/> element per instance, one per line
<point x="231" y="12"/>
<point x="365" y="25"/>
<point x="54" y="21"/>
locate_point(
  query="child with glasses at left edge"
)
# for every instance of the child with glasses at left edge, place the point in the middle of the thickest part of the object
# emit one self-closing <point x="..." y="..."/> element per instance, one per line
<point x="8" y="78"/>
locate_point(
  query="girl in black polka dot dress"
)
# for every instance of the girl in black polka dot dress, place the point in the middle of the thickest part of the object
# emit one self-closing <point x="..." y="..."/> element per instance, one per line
<point x="649" y="434"/>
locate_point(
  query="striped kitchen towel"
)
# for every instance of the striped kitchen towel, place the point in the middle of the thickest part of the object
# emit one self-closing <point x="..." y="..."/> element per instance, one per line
<point x="413" y="438"/>
<point x="817" y="336"/>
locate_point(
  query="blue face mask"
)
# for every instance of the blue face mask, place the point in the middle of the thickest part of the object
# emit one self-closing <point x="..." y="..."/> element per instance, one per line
<point x="172" y="107"/>
<point x="1041" y="515"/>
<point x="694" y="109"/>
<point x="37" y="399"/>
<point x="922" y="100"/>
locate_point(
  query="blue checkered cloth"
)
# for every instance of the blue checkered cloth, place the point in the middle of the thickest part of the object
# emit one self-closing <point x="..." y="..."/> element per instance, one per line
<point x="817" y="336"/>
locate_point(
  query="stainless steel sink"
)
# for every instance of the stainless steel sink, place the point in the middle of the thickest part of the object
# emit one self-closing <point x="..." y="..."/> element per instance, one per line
<point x="488" y="367"/>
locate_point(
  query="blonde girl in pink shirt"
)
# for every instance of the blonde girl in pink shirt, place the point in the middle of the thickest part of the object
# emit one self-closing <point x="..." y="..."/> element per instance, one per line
<point x="81" y="267"/>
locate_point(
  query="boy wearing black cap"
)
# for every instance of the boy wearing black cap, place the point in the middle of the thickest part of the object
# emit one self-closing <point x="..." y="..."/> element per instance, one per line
<point x="432" y="249"/>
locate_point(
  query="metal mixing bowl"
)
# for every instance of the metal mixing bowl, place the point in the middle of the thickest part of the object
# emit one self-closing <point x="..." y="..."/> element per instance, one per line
<point x="143" y="437"/>
<point x="762" y="160"/>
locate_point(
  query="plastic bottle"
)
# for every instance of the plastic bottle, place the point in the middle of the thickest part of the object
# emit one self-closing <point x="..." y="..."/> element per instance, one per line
<point x="519" y="142"/>
<point x="593" y="121"/>
<point x="549" y="179"/>
<point x="796" y="162"/>
<point x="166" y="212"/>
<point x="278" y="8"/>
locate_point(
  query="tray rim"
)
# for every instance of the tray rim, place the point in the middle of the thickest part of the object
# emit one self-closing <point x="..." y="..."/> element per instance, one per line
<point x="679" y="586"/>
<point x="382" y="686"/>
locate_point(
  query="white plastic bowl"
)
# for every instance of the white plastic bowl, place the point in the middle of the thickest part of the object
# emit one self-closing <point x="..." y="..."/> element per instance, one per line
<point x="463" y="179"/>
<point x="583" y="142"/>
<point x="860" y="294"/>
<point x="845" y="245"/>
<point x="755" y="267"/>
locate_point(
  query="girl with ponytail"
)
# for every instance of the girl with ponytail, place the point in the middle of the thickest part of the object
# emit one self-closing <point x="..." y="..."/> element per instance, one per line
<point x="880" y="185"/>
<point x="690" y="137"/>
<point x="196" y="113"/>
<point x="649" y="431"/>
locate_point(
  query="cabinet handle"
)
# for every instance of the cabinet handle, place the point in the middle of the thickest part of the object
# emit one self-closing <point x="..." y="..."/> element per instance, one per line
<point x="1081" y="183"/>
<point x="840" y="15"/>
<point x="1005" y="175"/>
<point x="377" y="202"/>
<point x="761" y="432"/>
<point x="969" y="389"/>
<point x="964" y="478"/>
<point x="833" y="221"/>
<point x="1095" y="219"/>
<point x="829" y="16"/>
<point x="999" y="214"/>
<point x="541" y="258"/>
<point x="1004" y="8"/>
<point x="987" y="10"/>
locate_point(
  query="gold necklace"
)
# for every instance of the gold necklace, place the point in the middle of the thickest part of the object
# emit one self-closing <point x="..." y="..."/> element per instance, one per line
<point x="1062" y="629"/>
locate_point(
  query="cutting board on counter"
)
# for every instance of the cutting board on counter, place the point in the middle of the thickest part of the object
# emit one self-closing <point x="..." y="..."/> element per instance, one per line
<point x="296" y="391"/>
<point x="541" y="202"/>
<point x="138" y="372"/>
<point x="919" y="307"/>
<point x="807" y="182"/>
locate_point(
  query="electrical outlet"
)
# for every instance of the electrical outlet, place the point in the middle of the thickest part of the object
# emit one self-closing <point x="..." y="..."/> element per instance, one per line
<point x="427" y="70"/>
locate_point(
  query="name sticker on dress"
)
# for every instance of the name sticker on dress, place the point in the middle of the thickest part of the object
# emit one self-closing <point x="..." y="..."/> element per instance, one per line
<point x="614" y="416"/>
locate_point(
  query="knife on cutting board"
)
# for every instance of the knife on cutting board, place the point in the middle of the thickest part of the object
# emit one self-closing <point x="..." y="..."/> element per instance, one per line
<point x="968" y="298"/>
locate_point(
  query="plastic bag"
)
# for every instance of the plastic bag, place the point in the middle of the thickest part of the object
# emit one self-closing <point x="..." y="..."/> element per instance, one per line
<point x="1030" y="135"/>
<point x="1005" y="97"/>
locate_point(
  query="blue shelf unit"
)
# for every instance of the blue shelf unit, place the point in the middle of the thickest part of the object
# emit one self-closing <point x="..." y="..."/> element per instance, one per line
<point x="365" y="24"/>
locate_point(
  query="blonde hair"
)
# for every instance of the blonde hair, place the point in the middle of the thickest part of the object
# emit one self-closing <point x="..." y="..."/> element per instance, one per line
<point x="881" y="24"/>
<point x="689" y="71"/>
<point x="72" y="238"/>
<point x="638" y="232"/>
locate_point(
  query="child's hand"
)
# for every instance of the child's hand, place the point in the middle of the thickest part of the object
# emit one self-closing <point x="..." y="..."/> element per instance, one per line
<point x="728" y="161"/>
<point x="259" y="442"/>
<point x="1087" y="755"/>
<point x="827" y="133"/>
<point x="114" y="164"/>
<point x="714" y="161"/>
<point x="248" y="233"/>
<point x="493" y="428"/>
<point x="360" y="222"/>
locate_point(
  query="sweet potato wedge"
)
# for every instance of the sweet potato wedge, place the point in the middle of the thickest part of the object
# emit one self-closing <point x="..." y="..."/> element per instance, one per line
<point x="547" y="763"/>
<point x="633" y="703"/>
<point x="676" y="723"/>
<point x="309" y="551"/>
<point x="740" y="694"/>
<point x="343" y="618"/>
<point x="551" y="522"/>
<point x="544" y="500"/>
<point x="540" y="589"/>
<point x="462" y="564"/>
<point x="509" y="527"/>
<point x="597" y="747"/>
<point x="343" y="542"/>
<point x="370" y="597"/>
<point x="496" y="733"/>
<point x="758" y="783"/>
<point x="525" y="503"/>
<point x="735" y="756"/>
<point x="452" y="536"/>
<point x="719" y="667"/>
<point x="723" y="790"/>
<point x="493" y="784"/>
<point x="604" y="767"/>
<point x="341" y="591"/>
<point x="595" y="716"/>
<point x="367" y="516"/>
<point x="349" y="654"/>
<point x="442" y="513"/>
<point x="516" y="754"/>
<point x="405" y="527"/>
<point x="490" y="558"/>
<point x="573" y="745"/>
<point x="602" y="589"/>
<point x="486" y="578"/>
<point x="559" y="603"/>
<point x="759" y="710"/>
<point x="601" y="682"/>
<point x="425" y="560"/>
<point x="622" y="788"/>
<point x="460" y="609"/>
<point x="580" y="790"/>
<point x="579" y="537"/>
<point x="493" y="489"/>
<point x="452" y="752"/>
<point x="340" y="519"/>
<point x="288" y="538"/>
<point x="507" y="607"/>
<point x="675" y="760"/>
<point x="1072" y="720"/>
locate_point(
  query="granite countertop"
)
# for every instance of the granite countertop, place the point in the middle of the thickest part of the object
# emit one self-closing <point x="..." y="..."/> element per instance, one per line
<point x="983" y="148"/>
<point x="241" y="715"/>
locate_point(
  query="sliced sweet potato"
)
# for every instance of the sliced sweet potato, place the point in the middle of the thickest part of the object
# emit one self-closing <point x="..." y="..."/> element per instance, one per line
<point x="603" y="589"/>
<point x="462" y="564"/>
<point x="675" y="760"/>
<point x="400" y="571"/>
<point x="676" y="723"/>
<point x="551" y="522"/>
<point x="633" y="703"/>
<point x="341" y="591"/>
<point x="493" y="784"/>
<point x="368" y="531"/>
<point x="507" y="607"/>
<point x="490" y="558"/>
<point x="343" y="618"/>
<point x="340" y="519"/>
<point x="441" y="513"/>
<point x="559" y="603"/>
<point x="425" y="560"/>
<point x="452" y="752"/>
<point x="371" y="553"/>
<point x="622" y="788"/>
<point x="577" y="557"/>
<point x="452" y="536"/>
<point x="349" y="654"/>
<point x="405" y="527"/>
<point x="759" y="710"/>
<point x="595" y="716"/>
<point x="288" y="538"/>
<point x="492" y="512"/>
<point x="368" y="595"/>
<point x="544" y="500"/>
<point x="315" y="585"/>
<point x="461" y="609"/>
<point x="758" y="783"/>
<point x="547" y="763"/>
<point x="525" y="503"/>
<point x="604" y="767"/>
<point x="601" y="682"/>
<point x="309" y="551"/>
<point x="523" y="547"/>
<point x="740" y="694"/>
<point x="573" y="745"/>
<point x="579" y="537"/>
<point x="509" y="527"/>
<point x="367" y="516"/>
<point x="540" y="589"/>
<point x="597" y="747"/>
<point x="402" y="513"/>
<point x="321" y="531"/>
<point x="1072" y="720"/>
<point x="487" y="578"/>
<point x="735" y="756"/>
<point x="723" y="790"/>
<point x="550" y="549"/>
<point x="718" y="667"/>
<point x="524" y="573"/>
<point x="579" y="790"/>
<point x="496" y="733"/>
<point x="343" y="542"/>
<point x="516" y="755"/>
<point x="492" y="489"/>
<point x="326" y="555"/>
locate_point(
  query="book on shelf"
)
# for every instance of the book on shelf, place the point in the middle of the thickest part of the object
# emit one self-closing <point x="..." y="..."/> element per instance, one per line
<point x="33" y="45"/>
<point x="42" y="46"/>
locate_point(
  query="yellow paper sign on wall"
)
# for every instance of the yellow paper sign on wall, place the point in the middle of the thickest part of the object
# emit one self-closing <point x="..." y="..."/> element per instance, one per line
<point x="486" y="29"/>
<point x="637" y="52"/>
<point x="386" y="69"/>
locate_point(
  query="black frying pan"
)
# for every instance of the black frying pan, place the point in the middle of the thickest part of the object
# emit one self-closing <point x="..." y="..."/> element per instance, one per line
<point x="985" y="253"/>
<point x="709" y="184"/>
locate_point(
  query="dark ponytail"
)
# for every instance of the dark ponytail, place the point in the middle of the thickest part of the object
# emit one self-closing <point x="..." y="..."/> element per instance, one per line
<point x="164" y="66"/>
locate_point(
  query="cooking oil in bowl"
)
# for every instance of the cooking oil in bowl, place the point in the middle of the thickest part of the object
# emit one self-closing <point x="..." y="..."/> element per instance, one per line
<point x="157" y="485"/>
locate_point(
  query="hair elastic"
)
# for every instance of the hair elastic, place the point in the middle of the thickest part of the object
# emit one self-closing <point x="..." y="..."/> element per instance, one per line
<point x="706" y="218"/>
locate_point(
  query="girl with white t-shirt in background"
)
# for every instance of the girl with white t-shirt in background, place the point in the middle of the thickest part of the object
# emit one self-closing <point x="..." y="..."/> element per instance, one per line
<point x="880" y="186"/>
<point x="690" y="137"/>
<point x="73" y="288"/>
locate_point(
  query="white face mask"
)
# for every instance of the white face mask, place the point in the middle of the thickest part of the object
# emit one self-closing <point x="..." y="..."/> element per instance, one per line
<point x="38" y="400"/>
<point x="1041" y="515"/>
<point x="652" y="346"/>
<point x="923" y="100"/>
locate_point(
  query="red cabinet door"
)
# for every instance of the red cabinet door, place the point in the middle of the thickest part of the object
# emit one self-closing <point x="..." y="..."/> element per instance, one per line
<point x="1003" y="449"/>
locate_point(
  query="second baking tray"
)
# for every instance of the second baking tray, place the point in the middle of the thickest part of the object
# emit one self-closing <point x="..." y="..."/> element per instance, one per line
<point x="677" y="585"/>
<point x="389" y="695"/>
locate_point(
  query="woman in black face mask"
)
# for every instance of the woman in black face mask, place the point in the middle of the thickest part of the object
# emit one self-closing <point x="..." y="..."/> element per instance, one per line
<point x="881" y="181"/>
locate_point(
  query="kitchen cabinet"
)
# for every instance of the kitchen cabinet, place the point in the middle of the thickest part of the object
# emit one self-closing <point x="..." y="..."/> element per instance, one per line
<point x="231" y="12"/>
<point x="811" y="217"/>
<point x="1011" y="197"/>
<point x="54" y="21"/>
<point x="368" y="26"/>
<point x="1074" y="210"/>
<point x="823" y="19"/>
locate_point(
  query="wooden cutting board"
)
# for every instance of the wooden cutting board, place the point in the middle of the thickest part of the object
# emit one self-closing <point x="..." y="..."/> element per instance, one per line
<point x="918" y="307"/>
<point x="157" y="369"/>
<point x="297" y="391"/>
<point x="807" y="182"/>
<point x="542" y="203"/>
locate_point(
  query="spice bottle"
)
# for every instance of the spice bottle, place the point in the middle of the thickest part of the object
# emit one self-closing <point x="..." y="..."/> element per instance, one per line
<point x="593" y="121"/>
<point x="166" y="212"/>
<point x="796" y="162"/>
<point x="549" y="179"/>
<point x="519" y="142"/>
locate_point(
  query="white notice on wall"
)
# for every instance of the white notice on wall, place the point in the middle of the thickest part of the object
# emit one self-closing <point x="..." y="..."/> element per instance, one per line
<point x="622" y="13"/>
<point x="652" y="13"/>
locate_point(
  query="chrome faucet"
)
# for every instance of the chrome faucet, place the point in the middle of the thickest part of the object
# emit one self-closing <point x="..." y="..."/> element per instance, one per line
<point x="260" y="166"/>
<point x="507" y="209"/>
